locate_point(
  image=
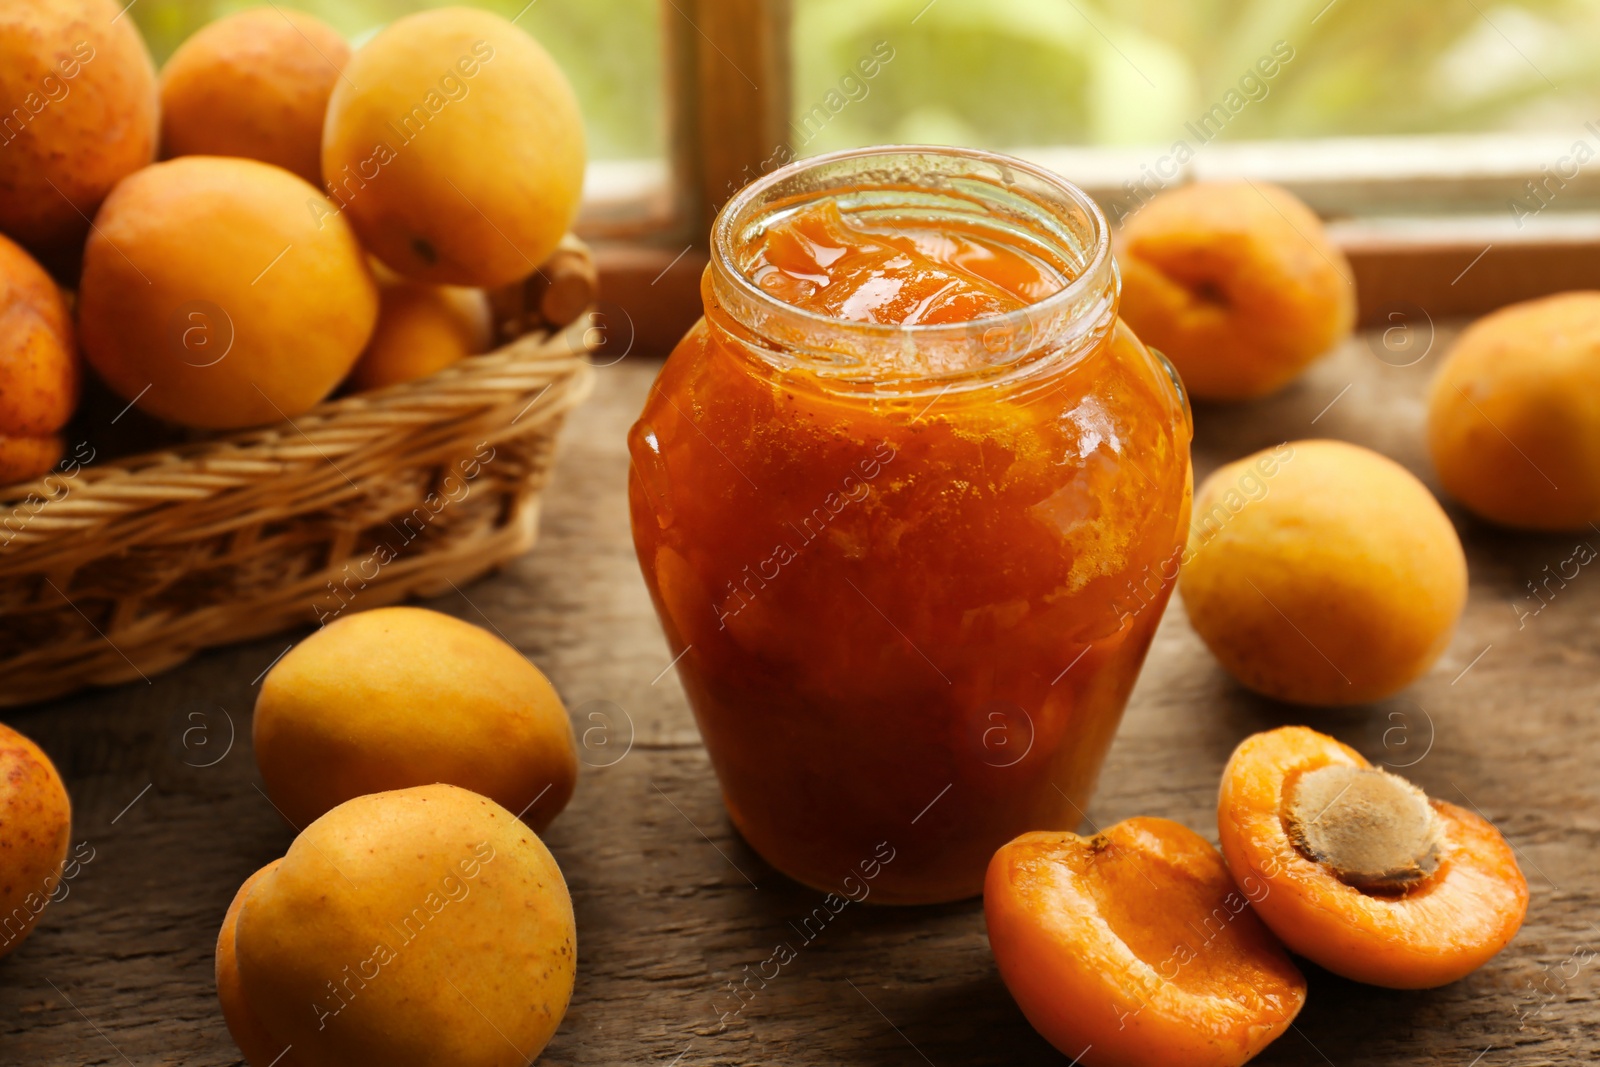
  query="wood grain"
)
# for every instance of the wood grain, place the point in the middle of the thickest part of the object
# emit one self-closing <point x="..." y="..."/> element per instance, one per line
<point x="672" y="906"/>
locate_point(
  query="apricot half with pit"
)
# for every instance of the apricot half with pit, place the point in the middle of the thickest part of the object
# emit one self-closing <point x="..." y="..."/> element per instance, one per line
<point x="1337" y="579"/>
<point x="412" y="928"/>
<point x="1237" y="283"/>
<point x="1135" y="948"/>
<point x="1514" y="414"/>
<point x="397" y="697"/>
<point x="1364" y="874"/>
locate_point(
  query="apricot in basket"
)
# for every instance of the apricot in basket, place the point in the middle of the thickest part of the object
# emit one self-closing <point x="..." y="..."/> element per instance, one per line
<point x="1237" y="283"/>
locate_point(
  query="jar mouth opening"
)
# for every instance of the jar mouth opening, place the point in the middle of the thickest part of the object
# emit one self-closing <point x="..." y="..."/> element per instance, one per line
<point x="1020" y="200"/>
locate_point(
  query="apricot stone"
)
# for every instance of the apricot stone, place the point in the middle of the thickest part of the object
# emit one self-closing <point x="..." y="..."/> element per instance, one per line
<point x="1338" y="580"/>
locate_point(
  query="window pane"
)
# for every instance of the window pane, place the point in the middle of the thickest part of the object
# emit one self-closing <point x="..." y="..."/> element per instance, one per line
<point x="1011" y="73"/>
<point x="610" y="49"/>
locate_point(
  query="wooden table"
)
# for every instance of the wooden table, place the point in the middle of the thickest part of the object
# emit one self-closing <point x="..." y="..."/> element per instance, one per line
<point x="672" y="906"/>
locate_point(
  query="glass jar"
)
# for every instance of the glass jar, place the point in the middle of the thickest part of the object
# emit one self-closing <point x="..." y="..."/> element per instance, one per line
<point x="910" y="571"/>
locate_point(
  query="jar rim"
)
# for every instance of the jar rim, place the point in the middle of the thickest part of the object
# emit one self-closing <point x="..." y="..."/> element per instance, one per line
<point x="1097" y="274"/>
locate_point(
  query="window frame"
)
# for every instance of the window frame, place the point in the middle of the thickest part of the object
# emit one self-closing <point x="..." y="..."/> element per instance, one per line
<point x="1426" y="221"/>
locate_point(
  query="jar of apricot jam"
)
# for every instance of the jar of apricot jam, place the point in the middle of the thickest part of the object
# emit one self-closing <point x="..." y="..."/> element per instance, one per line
<point x="909" y="500"/>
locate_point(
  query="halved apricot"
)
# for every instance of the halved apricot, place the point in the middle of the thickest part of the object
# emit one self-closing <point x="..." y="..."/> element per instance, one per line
<point x="1360" y="871"/>
<point x="1135" y="947"/>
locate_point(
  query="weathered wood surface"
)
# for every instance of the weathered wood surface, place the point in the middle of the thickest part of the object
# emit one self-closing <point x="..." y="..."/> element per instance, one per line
<point x="672" y="906"/>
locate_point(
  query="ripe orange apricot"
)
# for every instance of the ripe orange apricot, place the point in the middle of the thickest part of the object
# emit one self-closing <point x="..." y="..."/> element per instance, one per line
<point x="38" y="366"/>
<point x="1363" y="873"/>
<point x="413" y="928"/>
<point x="401" y="696"/>
<point x="1514" y="414"/>
<point x="79" y="93"/>
<point x="1237" y="283"/>
<point x="212" y="297"/>
<point x="35" y="824"/>
<point x="25" y="458"/>
<point x="455" y="146"/>
<point x="249" y="1033"/>
<point x="255" y="84"/>
<point x="1334" y="579"/>
<point x="1136" y="948"/>
<point x="422" y="329"/>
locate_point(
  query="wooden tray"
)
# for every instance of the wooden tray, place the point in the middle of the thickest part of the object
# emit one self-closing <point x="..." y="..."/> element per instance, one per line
<point x="672" y="906"/>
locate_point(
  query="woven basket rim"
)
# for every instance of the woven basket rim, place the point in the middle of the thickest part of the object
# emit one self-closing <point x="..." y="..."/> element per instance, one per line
<point x="62" y="505"/>
<point x="530" y="348"/>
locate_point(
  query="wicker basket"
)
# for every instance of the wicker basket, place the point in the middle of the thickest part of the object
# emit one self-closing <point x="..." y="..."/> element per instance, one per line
<point x="127" y="567"/>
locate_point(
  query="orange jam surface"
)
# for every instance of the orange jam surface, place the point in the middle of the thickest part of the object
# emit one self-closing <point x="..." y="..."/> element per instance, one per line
<point x="906" y="273"/>
<point x="908" y="624"/>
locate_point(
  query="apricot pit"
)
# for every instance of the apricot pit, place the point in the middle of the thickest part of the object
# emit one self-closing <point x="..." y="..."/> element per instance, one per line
<point x="1371" y="829"/>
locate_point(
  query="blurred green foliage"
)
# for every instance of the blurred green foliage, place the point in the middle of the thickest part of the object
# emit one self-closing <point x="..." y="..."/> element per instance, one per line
<point x="1005" y="73"/>
<point x="1028" y="72"/>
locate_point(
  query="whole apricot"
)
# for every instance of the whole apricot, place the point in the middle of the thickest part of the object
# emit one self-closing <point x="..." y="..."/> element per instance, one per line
<point x="1237" y="283"/>
<point x="255" y="84"/>
<point x="213" y="298"/>
<point x="395" y="697"/>
<point x="38" y="366"/>
<point x="421" y="330"/>
<point x="35" y="821"/>
<point x="455" y="146"/>
<point x="1361" y="872"/>
<point x="413" y="928"/>
<point x="259" y="1046"/>
<point x="25" y="458"/>
<point x="1135" y="948"/>
<point x="1514" y="414"/>
<point x="80" y="93"/>
<point x="1328" y="576"/>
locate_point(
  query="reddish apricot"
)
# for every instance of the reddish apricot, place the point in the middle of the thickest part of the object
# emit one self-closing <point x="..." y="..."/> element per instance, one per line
<point x="1362" y="872"/>
<point x="1135" y="947"/>
<point x="38" y="366"/>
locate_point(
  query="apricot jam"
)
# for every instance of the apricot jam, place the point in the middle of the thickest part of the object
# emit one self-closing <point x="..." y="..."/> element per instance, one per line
<point x="909" y="501"/>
